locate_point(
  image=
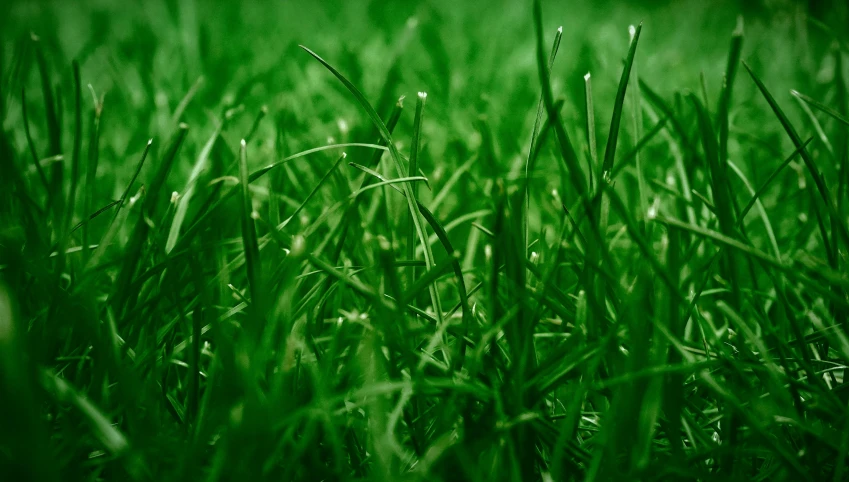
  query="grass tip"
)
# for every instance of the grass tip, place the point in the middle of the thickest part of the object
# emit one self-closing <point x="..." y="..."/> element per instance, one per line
<point x="423" y="95"/>
<point x="183" y="126"/>
<point x="738" y="30"/>
<point x="587" y="77"/>
<point x="299" y="246"/>
<point x="243" y="143"/>
<point x="560" y="29"/>
<point x="400" y="102"/>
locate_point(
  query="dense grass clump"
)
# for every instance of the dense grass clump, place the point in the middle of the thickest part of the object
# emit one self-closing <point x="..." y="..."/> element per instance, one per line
<point x="423" y="245"/>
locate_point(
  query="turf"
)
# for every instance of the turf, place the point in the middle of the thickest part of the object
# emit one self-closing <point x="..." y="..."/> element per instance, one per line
<point x="386" y="241"/>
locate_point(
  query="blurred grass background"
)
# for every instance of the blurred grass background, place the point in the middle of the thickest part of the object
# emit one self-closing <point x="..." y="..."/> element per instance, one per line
<point x="473" y="60"/>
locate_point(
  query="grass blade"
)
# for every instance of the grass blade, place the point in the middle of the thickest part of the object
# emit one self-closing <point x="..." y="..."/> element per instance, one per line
<point x="249" y="238"/>
<point x="188" y="192"/>
<point x="567" y="151"/>
<point x="54" y="133"/>
<point x="393" y="151"/>
<point x="837" y="221"/>
<point x="122" y="296"/>
<point x="616" y="119"/>
<point x="821" y="107"/>
<point x="413" y="171"/>
<point x="540" y="105"/>
<point x="91" y="167"/>
<point x="30" y="142"/>
<point x="727" y="87"/>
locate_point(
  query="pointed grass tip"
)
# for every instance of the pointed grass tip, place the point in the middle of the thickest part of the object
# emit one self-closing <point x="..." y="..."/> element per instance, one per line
<point x="560" y="29"/>
<point x="587" y="77"/>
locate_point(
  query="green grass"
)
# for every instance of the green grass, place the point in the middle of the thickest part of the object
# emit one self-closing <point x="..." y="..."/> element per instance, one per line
<point x="236" y="244"/>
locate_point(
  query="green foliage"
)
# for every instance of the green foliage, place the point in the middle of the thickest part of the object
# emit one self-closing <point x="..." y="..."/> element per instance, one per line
<point x="314" y="283"/>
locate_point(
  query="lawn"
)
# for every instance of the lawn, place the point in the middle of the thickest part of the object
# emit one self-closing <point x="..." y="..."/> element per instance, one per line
<point x="453" y="240"/>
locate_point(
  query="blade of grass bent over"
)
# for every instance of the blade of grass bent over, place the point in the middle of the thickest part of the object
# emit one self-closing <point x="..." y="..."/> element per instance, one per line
<point x="393" y="151"/>
<point x="821" y="107"/>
